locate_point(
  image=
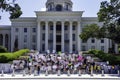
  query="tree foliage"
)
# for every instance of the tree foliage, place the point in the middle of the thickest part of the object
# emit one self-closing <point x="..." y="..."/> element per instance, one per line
<point x="109" y="14"/>
<point x="92" y="31"/>
<point x="11" y="7"/>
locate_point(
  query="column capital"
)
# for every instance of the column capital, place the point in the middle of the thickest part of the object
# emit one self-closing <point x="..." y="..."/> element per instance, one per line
<point x="54" y="22"/>
<point x="78" y="22"/>
<point x="3" y="35"/>
<point x="46" y="22"/>
<point x="62" y="22"/>
<point x="38" y="23"/>
<point x="70" y="23"/>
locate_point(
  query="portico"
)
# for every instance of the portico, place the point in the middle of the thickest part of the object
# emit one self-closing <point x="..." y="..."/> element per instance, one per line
<point x="58" y="36"/>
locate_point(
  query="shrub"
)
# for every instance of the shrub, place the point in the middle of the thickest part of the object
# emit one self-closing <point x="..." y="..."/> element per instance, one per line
<point x="106" y="57"/>
<point x="24" y="57"/>
<point x="119" y="50"/>
<point x="6" y="57"/>
<point x="2" y="49"/>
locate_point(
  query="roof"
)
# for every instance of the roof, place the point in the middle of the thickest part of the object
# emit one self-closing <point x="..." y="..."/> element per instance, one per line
<point x="5" y="26"/>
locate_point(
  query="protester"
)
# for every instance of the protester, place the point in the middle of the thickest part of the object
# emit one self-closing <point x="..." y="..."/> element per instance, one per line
<point x="40" y="63"/>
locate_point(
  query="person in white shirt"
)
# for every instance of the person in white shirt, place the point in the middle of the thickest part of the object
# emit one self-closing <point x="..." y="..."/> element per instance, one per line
<point x="54" y="67"/>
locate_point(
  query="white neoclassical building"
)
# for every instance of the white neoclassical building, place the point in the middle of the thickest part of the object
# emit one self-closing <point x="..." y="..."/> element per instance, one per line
<point x="58" y="28"/>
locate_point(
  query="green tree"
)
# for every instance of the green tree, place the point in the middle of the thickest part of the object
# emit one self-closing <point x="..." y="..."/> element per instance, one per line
<point x="109" y="14"/>
<point x="92" y="31"/>
<point x="11" y="7"/>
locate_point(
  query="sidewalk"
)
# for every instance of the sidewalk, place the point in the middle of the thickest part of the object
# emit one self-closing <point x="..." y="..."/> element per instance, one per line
<point x="52" y="77"/>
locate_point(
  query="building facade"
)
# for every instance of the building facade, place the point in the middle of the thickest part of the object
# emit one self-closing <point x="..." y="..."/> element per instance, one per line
<point x="56" y="29"/>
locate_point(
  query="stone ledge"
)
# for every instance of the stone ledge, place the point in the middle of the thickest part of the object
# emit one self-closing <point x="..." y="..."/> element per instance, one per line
<point x="63" y="77"/>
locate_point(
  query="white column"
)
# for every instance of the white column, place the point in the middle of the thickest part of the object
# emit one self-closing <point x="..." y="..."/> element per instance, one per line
<point x="54" y="36"/>
<point x="116" y="48"/>
<point x="4" y="40"/>
<point x="98" y="44"/>
<point x="46" y="36"/>
<point x="12" y="38"/>
<point x="107" y="45"/>
<point x="38" y="36"/>
<point x="62" y="39"/>
<point x="70" y="38"/>
<point x="78" y="38"/>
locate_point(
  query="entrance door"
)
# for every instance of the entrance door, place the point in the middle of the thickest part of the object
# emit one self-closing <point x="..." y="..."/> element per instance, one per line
<point x="58" y="48"/>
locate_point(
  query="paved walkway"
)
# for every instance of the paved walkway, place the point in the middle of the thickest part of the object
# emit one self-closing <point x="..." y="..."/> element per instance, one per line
<point x="86" y="76"/>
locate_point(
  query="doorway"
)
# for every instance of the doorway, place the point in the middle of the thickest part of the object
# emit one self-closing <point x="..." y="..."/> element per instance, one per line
<point x="58" y="48"/>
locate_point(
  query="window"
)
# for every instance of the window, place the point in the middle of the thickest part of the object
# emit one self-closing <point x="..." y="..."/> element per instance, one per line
<point x="25" y="30"/>
<point x="102" y="40"/>
<point x="92" y="47"/>
<point x="74" y="47"/>
<point x="50" y="7"/>
<point x="74" y="28"/>
<point x="25" y="46"/>
<point x="83" y="41"/>
<point x="102" y="48"/>
<point x="58" y="38"/>
<point x="83" y="48"/>
<point x="67" y="7"/>
<point x="43" y="36"/>
<point x="73" y="37"/>
<point x="66" y="48"/>
<point x="51" y="27"/>
<point x="66" y="28"/>
<point x="25" y="38"/>
<point x="33" y="29"/>
<point x="1" y="39"/>
<point x="16" y="29"/>
<point x="66" y="36"/>
<point x="6" y="41"/>
<point x="43" y="47"/>
<point x="58" y="27"/>
<point x="43" y="27"/>
<point x="92" y="40"/>
<point x="51" y="36"/>
<point x="59" y="8"/>
<point x="34" y="38"/>
<point x="33" y="47"/>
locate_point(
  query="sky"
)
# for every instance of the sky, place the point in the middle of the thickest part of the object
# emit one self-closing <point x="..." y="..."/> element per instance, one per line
<point x="90" y="8"/>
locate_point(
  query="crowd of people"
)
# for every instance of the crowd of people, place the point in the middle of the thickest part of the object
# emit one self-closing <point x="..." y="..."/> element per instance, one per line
<point x="52" y="63"/>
